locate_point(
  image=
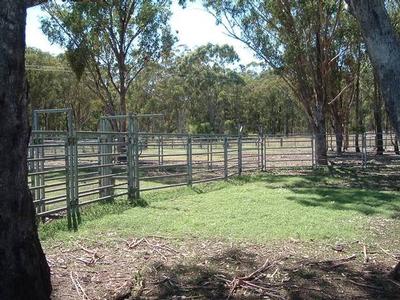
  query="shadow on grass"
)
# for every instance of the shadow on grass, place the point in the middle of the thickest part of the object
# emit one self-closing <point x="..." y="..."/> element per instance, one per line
<point x="365" y="201"/>
<point x="369" y="191"/>
<point x="89" y="213"/>
<point x="304" y="279"/>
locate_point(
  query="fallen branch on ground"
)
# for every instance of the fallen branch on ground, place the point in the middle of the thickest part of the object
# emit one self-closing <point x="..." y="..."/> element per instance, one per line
<point x="78" y="287"/>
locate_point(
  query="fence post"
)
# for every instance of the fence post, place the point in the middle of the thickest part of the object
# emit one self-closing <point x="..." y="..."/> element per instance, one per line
<point x="72" y="175"/>
<point x="240" y="154"/>
<point x="261" y="149"/>
<point x="211" y="153"/>
<point x="208" y="152"/>
<point x="105" y="161"/>
<point x="159" y="150"/>
<point x="313" y="151"/>
<point x="189" y="160"/>
<point x="265" y="152"/>
<point x="136" y="157"/>
<point x="130" y="157"/>
<point x="364" y="150"/>
<point x="225" y="157"/>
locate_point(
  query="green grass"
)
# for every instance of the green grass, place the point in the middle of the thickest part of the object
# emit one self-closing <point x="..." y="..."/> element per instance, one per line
<point x="253" y="208"/>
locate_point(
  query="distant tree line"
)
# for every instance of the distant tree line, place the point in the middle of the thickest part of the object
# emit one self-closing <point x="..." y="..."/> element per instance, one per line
<point x="201" y="91"/>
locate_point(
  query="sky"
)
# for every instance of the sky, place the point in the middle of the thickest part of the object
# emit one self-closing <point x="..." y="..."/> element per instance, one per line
<point x="194" y="26"/>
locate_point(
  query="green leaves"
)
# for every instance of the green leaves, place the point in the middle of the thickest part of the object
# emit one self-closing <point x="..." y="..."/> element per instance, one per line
<point x="113" y="39"/>
<point x="78" y="58"/>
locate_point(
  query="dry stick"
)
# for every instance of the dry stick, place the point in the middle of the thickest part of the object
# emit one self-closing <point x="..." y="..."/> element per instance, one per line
<point x="233" y="284"/>
<point x="246" y="280"/>
<point x="265" y="290"/>
<point x="75" y="285"/>
<point x="87" y="250"/>
<point x="134" y="244"/>
<point x="366" y="258"/>
<point x="166" y="248"/>
<point x="332" y="261"/>
<point x="365" y="285"/>
<point x="85" y="296"/>
<point x="387" y="252"/>
<point x="264" y="267"/>
<point x="273" y="274"/>
<point x="394" y="282"/>
<point x="155" y="249"/>
<point x="79" y="289"/>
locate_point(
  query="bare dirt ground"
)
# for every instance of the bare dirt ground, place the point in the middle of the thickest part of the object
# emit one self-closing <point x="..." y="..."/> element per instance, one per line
<point x="167" y="268"/>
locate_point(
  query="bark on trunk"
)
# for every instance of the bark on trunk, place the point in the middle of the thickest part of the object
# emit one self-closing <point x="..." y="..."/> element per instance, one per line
<point x="24" y="273"/>
<point x="338" y="129"/>
<point x="396" y="146"/>
<point x="319" y="129"/>
<point x="359" y="124"/>
<point x="378" y="118"/>
<point x="383" y="48"/>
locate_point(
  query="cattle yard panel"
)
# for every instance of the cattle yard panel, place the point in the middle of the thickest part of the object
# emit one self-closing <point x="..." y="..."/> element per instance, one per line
<point x="69" y="169"/>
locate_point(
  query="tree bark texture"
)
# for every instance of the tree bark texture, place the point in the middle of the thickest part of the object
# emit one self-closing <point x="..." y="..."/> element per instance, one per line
<point x="24" y="273"/>
<point x="383" y="47"/>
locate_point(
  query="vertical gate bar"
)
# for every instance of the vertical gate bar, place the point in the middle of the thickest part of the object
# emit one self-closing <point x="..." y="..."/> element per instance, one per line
<point x="258" y="152"/>
<point x="76" y="177"/>
<point x="100" y="151"/>
<point x="225" y="157"/>
<point x="136" y="157"/>
<point x="364" y="150"/>
<point x="35" y="163"/>
<point x="211" y="153"/>
<point x="262" y="150"/>
<point x="208" y="152"/>
<point x="162" y="150"/>
<point x="41" y="176"/>
<point x="159" y="150"/>
<point x="239" y="141"/>
<point x="189" y="160"/>
<point x="130" y="159"/>
<point x="312" y="151"/>
<point x="265" y="152"/>
<point x="68" y="183"/>
<point x="72" y="157"/>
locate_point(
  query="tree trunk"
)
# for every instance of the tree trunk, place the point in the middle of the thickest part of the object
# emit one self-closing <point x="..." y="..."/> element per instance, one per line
<point x="24" y="273"/>
<point x="359" y="123"/>
<point x="319" y="128"/>
<point x="384" y="51"/>
<point x="346" y="136"/>
<point x="396" y="146"/>
<point x="338" y="129"/>
<point x="383" y="48"/>
<point x="378" y="118"/>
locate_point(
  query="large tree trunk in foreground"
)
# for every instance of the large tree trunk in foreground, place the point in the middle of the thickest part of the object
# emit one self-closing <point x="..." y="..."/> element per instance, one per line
<point x="24" y="273"/>
<point x="378" y="118"/>
<point x="383" y="47"/>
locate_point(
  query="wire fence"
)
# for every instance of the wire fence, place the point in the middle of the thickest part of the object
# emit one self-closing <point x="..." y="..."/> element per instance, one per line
<point x="70" y="169"/>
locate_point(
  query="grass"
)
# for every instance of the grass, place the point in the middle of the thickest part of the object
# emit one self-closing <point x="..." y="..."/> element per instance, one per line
<point x="256" y="208"/>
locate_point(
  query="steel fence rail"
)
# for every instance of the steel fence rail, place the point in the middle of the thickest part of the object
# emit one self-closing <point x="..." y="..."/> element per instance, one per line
<point x="69" y="169"/>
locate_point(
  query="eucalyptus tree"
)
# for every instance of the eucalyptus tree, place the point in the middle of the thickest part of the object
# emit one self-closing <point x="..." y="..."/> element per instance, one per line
<point x="383" y="46"/>
<point x="269" y="103"/>
<point x="24" y="273"/>
<point x="296" y="38"/>
<point x="210" y="84"/>
<point x="52" y="84"/>
<point x="111" y="40"/>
